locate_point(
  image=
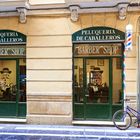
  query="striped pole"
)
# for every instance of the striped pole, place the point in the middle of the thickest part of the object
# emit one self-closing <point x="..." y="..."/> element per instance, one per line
<point x="124" y="74"/>
<point x="128" y="46"/>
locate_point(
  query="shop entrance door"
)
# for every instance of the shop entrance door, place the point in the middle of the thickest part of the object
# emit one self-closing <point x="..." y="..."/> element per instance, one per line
<point x="12" y="88"/>
<point x="97" y="88"/>
<point x="97" y="91"/>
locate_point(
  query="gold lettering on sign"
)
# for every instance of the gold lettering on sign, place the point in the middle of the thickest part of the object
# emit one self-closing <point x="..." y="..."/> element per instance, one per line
<point x="98" y="32"/>
<point x="90" y="49"/>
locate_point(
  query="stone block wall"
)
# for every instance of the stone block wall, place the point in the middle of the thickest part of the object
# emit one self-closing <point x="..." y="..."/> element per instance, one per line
<point x="49" y="61"/>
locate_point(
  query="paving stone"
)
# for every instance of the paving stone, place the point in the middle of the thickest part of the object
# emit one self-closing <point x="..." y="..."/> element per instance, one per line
<point x="58" y="132"/>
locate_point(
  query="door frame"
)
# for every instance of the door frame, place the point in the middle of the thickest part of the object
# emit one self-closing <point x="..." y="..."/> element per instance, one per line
<point x="112" y="107"/>
<point x="85" y="87"/>
<point x="109" y="104"/>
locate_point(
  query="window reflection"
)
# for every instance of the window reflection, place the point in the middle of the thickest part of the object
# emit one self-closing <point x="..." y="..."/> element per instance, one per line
<point x="97" y="81"/>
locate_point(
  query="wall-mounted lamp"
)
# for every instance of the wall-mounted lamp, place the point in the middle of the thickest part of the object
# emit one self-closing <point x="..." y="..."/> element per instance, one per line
<point x="122" y="11"/>
<point x="22" y="14"/>
<point x="74" y="13"/>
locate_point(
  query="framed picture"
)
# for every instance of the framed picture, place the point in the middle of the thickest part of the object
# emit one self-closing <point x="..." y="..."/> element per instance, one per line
<point x="92" y="67"/>
<point x="118" y="63"/>
<point x="75" y="67"/>
<point x="81" y="76"/>
<point x="100" y="62"/>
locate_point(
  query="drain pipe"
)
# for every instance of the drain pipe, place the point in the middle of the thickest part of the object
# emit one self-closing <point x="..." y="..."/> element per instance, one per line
<point x="138" y="83"/>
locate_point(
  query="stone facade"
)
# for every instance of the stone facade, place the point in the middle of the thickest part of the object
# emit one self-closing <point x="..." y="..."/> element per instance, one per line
<point x="49" y="61"/>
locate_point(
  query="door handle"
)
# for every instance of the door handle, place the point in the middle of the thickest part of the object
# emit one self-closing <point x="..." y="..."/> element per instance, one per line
<point x="86" y="90"/>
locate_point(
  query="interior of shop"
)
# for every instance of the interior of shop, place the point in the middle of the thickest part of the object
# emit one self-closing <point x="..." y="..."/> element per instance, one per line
<point x="97" y="79"/>
<point x="12" y="81"/>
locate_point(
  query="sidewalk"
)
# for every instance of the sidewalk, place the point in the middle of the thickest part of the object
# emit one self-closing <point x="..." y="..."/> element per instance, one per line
<point x="65" y="132"/>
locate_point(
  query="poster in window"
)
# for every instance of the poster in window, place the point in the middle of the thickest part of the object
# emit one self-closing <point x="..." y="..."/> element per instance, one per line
<point x="118" y="63"/>
<point x="81" y="76"/>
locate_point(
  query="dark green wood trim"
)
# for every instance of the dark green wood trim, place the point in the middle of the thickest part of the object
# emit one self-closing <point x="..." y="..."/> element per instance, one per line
<point x="14" y="106"/>
<point x="73" y="97"/>
<point x="84" y="85"/>
<point x="110" y="86"/>
<point x="110" y="105"/>
<point x="73" y="108"/>
<point x="17" y="83"/>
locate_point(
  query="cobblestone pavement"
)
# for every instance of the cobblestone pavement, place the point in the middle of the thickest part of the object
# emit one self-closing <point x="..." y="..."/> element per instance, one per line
<point x="65" y="132"/>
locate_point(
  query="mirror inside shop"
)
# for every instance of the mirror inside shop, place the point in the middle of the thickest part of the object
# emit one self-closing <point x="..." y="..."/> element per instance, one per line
<point x="13" y="80"/>
<point x="103" y="80"/>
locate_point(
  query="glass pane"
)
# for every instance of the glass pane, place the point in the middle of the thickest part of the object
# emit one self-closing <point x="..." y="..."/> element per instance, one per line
<point x="78" y="80"/>
<point x="22" y="68"/>
<point x="117" y="80"/>
<point x="97" y="80"/>
<point x="7" y="80"/>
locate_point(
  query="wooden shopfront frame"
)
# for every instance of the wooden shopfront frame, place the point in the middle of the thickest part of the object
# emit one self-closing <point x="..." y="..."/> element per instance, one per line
<point x="13" y="58"/>
<point x="96" y="36"/>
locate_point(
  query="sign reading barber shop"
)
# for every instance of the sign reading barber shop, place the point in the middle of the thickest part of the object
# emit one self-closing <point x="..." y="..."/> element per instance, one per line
<point x="98" y="34"/>
<point x="11" y="37"/>
<point x="106" y="49"/>
<point x="12" y="51"/>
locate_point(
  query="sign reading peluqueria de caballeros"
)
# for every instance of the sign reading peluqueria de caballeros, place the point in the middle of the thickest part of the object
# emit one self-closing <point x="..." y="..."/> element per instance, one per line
<point x="12" y="37"/>
<point x="98" y="34"/>
<point x="12" y="43"/>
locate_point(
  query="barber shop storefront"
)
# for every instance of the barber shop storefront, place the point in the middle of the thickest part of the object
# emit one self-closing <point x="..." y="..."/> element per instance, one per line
<point x="12" y="74"/>
<point x="97" y="73"/>
<point x="66" y="62"/>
